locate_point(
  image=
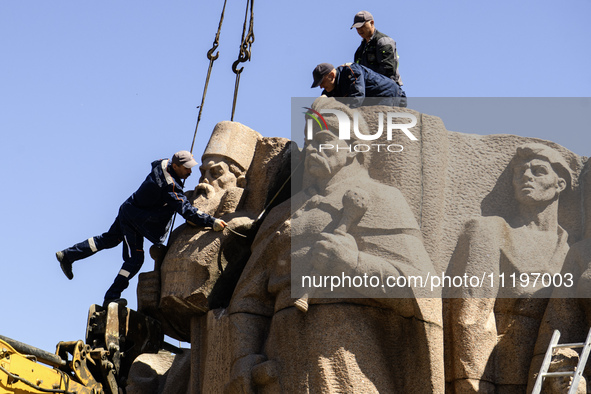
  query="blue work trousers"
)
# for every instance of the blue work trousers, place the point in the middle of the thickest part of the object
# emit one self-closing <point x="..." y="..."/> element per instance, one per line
<point x="133" y="253"/>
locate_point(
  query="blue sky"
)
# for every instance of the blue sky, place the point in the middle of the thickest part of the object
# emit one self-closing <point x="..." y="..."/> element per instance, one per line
<point x="92" y="92"/>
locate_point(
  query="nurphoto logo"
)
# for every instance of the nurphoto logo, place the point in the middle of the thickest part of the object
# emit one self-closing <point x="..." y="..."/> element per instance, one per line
<point x="344" y="132"/>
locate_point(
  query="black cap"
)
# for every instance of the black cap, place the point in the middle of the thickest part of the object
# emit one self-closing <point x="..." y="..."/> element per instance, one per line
<point x="320" y="72"/>
<point x="360" y="18"/>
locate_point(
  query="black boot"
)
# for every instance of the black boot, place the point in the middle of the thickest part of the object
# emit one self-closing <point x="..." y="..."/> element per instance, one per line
<point x="65" y="264"/>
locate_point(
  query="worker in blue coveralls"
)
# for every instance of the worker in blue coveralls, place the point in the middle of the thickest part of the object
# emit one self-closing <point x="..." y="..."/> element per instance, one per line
<point x="146" y="214"/>
<point x="357" y="82"/>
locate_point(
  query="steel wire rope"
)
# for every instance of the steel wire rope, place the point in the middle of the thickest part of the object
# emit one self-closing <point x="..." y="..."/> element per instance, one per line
<point x="243" y="56"/>
<point x="245" y="50"/>
<point x="212" y="58"/>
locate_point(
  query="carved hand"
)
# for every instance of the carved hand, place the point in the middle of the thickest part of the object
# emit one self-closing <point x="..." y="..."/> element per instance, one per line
<point x="335" y="251"/>
<point x="241" y="223"/>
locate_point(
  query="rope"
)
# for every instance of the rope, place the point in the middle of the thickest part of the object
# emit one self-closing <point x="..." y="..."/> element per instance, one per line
<point x="279" y="191"/>
<point x="244" y="54"/>
<point x="212" y="58"/>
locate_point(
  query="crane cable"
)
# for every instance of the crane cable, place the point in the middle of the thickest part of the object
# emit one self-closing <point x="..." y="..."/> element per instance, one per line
<point x="244" y="54"/>
<point x="212" y="58"/>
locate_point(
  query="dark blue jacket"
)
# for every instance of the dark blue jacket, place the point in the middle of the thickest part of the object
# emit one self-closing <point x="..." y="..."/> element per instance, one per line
<point x="355" y="80"/>
<point x="151" y="207"/>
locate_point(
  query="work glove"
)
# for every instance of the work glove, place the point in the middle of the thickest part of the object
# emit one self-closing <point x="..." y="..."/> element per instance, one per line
<point x="219" y="224"/>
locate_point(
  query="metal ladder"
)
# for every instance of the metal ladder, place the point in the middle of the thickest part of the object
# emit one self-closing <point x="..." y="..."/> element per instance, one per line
<point x="576" y="374"/>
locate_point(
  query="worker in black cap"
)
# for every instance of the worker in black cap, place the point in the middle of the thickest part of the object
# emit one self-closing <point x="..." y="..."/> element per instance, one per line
<point x="357" y="82"/>
<point x="377" y="51"/>
<point x="146" y="214"/>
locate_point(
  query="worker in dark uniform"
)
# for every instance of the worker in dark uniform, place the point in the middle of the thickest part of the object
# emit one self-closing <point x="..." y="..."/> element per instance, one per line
<point x="357" y="82"/>
<point x="146" y="214"/>
<point x="377" y="51"/>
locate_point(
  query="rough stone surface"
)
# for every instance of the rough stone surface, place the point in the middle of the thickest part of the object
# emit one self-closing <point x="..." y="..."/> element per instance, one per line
<point x="234" y="141"/>
<point x="449" y="178"/>
<point x="211" y="364"/>
<point x="148" y="373"/>
<point x="489" y="327"/>
<point x="571" y="316"/>
<point x="346" y="344"/>
<point x="457" y="190"/>
<point x="197" y="258"/>
<point x="178" y="378"/>
<point x="201" y="267"/>
<point x="564" y="360"/>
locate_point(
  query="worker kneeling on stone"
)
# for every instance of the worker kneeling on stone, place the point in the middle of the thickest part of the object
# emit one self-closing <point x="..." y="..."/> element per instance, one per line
<point x="146" y="214"/>
<point x="357" y="82"/>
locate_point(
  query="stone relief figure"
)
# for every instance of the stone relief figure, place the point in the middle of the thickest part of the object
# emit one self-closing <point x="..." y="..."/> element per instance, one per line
<point x="348" y="344"/>
<point x="569" y="309"/>
<point x="490" y="330"/>
<point x="564" y="360"/>
<point x="197" y="265"/>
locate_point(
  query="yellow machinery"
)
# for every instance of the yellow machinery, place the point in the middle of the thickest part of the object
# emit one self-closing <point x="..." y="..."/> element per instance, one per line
<point x="21" y="373"/>
<point x="115" y="336"/>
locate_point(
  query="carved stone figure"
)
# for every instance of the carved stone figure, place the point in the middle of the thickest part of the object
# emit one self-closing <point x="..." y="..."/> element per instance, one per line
<point x="569" y="309"/>
<point x="356" y="215"/>
<point x="490" y="330"/>
<point x="197" y="263"/>
<point x="564" y="360"/>
<point x="199" y="272"/>
<point x="347" y="344"/>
